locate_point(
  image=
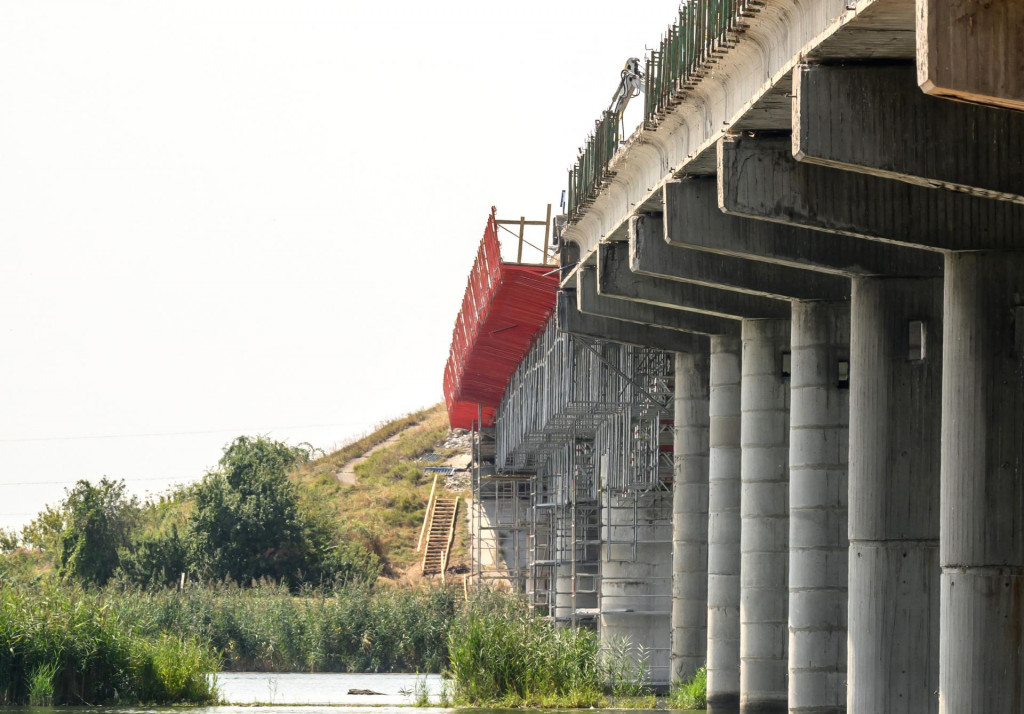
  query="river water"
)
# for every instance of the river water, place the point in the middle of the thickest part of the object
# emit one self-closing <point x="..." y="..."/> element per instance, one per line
<point x="293" y="693"/>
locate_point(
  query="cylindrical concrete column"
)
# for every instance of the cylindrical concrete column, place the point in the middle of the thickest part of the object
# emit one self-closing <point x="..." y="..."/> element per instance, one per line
<point x="895" y="418"/>
<point x="764" y="509"/>
<point x="981" y="546"/>
<point x="636" y="589"/>
<point x="724" y="526"/>
<point x="690" y="517"/>
<point x="818" y="434"/>
<point x="563" y="611"/>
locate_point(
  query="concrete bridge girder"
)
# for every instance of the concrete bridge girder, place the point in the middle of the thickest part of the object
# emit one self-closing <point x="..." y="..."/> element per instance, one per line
<point x="759" y="178"/>
<point x="903" y="134"/>
<point x="878" y="183"/>
<point x="616" y="279"/>
<point x="748" y="90"/>
<point x="693" y="219"/>
<point x="591" y="302"/>
<point x="650" y="252"/>
<point x="571" y="320"/>
<point x="977" y="60"/>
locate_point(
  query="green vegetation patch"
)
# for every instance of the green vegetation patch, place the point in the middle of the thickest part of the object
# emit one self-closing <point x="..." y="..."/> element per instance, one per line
<point x="266" y="628"/>
<point x="63" y="645"/>
<point x="384" y="509"/>
<point x="502" y="655"/>
<point x="692" y="694"/>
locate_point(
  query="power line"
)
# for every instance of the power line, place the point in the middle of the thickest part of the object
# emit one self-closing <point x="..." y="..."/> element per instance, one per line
<point x="168" y="433"/>
<point x="128" y="480"/>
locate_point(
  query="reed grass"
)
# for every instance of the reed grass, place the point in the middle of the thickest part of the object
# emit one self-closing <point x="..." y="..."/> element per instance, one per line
<point x="501" y="655"/>
<point x="266" y="627"/>
<point x="692" y="694"/>
<point x="62" y="645"/>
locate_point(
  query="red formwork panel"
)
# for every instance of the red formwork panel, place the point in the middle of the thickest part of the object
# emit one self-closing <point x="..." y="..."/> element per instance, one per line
<point x="505" y="305"/>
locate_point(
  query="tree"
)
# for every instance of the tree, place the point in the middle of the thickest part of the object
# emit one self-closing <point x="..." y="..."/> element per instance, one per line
<point x="246" y="524"/>
<point x="8" y="540"/>
<point x="97" y="521"/>
<point x="43" y="532"/>
<point x="156" y="559"/>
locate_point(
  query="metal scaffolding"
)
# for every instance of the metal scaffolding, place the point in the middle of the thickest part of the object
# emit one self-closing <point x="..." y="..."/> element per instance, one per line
<point x="500" y="522"/>
<point x="500" y="519"/>
<point x="592" y="422"/>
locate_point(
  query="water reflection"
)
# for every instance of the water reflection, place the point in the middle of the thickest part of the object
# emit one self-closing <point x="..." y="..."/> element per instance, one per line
<point x="284" y="689"/>
<point x="303" y="694"/>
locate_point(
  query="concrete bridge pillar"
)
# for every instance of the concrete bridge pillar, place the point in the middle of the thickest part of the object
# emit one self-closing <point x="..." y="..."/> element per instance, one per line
<point x="981" y="665"/>
<point x="819" y="418"/>
<point x="690" y="517"/>
<point x="723" y="642"/>
<point x="895" y="408"/>
<point x="635" y="588"/>
<point x="981" y="530"/>
<point x="764" y="509"/>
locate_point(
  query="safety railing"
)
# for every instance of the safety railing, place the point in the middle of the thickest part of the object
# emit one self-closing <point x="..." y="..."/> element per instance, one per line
<point x="702" y="33"/>
<point x="591" y="172"/>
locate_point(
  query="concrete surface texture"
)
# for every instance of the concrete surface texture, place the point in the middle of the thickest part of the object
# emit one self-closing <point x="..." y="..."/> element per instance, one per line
<point x="834" y="257"/>
<point x="690" y="516"/>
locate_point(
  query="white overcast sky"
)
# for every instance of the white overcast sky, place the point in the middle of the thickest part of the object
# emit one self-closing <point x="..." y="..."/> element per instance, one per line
<point x="240" y="217"/>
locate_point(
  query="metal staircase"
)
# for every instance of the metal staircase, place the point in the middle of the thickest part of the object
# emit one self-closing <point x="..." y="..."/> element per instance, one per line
<point x="438" y="533"/>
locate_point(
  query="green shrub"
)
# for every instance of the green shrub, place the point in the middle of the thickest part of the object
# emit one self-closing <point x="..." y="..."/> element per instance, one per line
<point x="97" y="522"/>
<point x="246" y="523"/>
<point x="156" y="560"/>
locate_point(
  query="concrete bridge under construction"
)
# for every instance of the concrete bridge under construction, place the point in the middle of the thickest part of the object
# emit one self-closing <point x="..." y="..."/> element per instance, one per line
<point x="766" y="413"/>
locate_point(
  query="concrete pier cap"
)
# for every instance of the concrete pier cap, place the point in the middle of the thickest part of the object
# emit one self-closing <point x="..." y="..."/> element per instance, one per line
<point x="981" y="146"/>
<point x="616" y="278"/>
<point x="648" y="247"/>
<point x="571" y="320"/>
<point x="758" y="177"/>
<point x="693" y="219"/>
<point x="592" y="302"/>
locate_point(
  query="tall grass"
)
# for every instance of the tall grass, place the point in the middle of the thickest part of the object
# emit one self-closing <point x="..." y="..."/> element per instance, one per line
<point x="41" y="684"/>
<point x="61" y="645"/>
<point x="500" y="654"/>
<point x="692" y="694"/>
<point x="267" y="628"/>
<point x="384" y="509"/>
